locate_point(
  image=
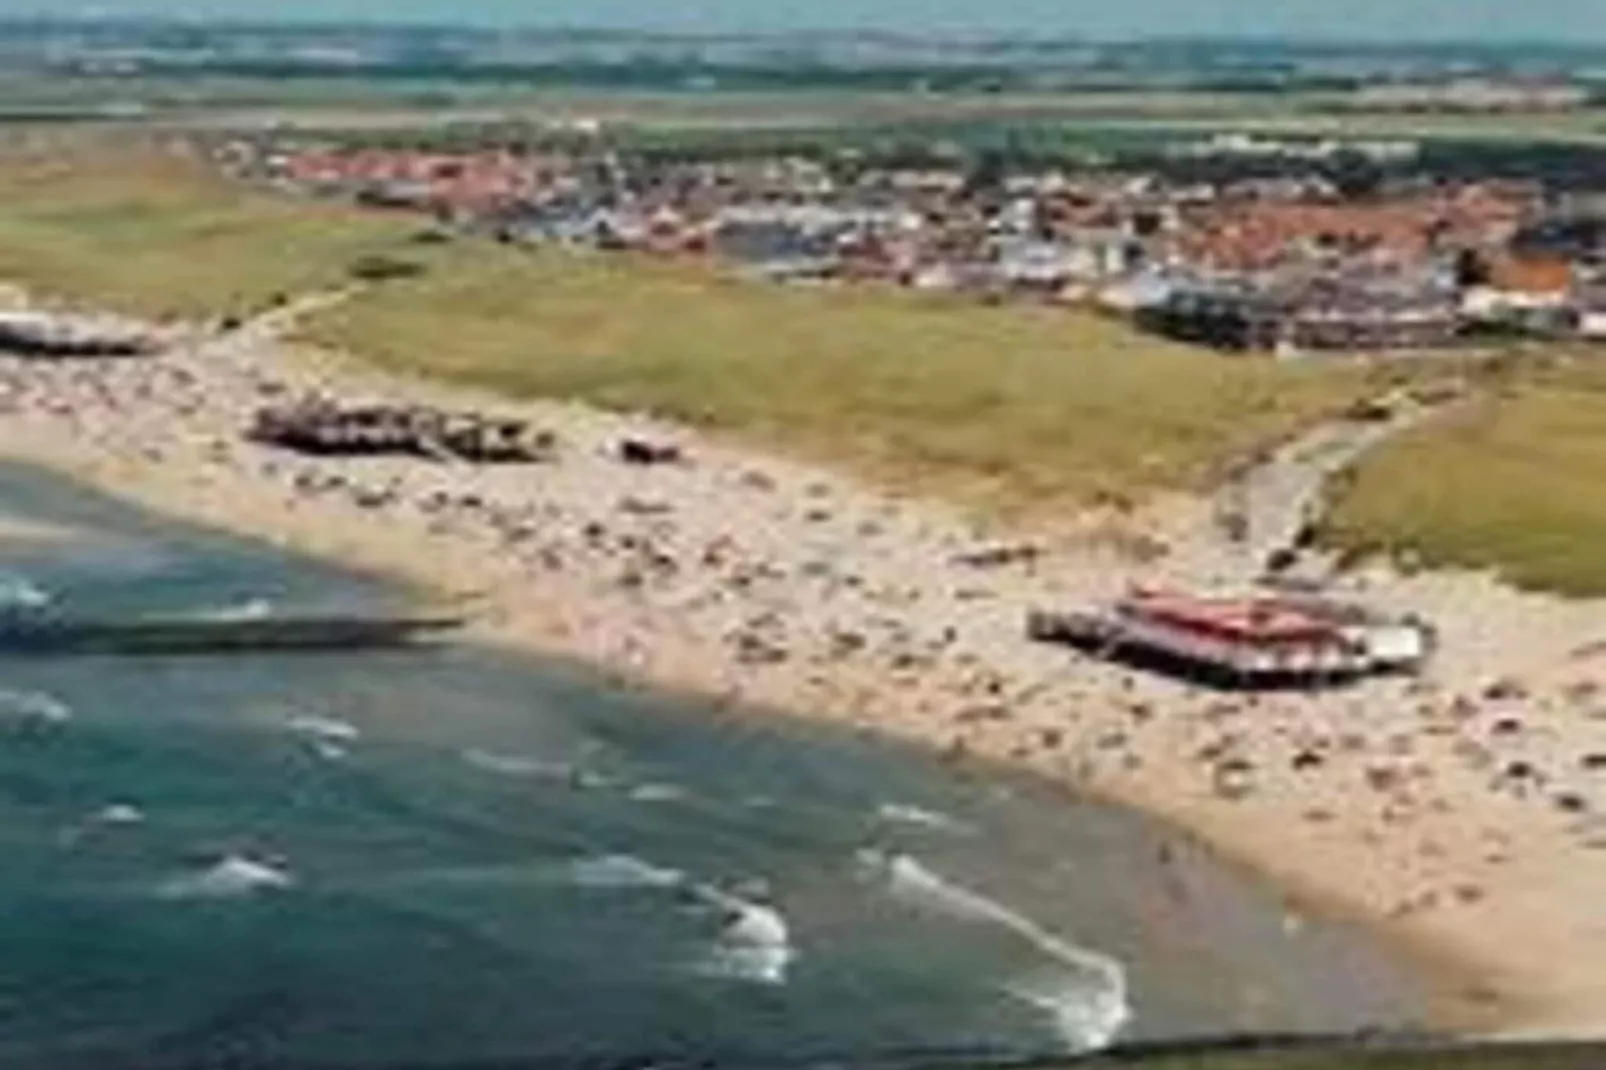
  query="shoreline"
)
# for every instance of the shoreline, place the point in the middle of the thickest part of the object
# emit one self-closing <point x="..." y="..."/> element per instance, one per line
<point x="1454" y="984"/>
<point x="1457" y="988"/>
<point x="729" y="579"/>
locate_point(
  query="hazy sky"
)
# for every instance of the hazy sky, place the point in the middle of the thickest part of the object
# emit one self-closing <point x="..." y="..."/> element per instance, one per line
<point x="1556" y="20"/>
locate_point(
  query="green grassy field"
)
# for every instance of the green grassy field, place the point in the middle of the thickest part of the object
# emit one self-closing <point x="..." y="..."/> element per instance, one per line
<point x="1016" y="404"/>
<point x="1513" y="485"/>
<point x="161" y="237"/>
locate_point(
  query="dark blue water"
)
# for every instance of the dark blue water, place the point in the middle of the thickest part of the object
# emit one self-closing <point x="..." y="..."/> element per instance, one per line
<point x="460" y="854"/>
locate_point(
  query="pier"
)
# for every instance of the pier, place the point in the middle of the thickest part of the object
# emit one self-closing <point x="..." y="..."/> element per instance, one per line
<point x="31" y="635"/>
<point x="1256" y="642"/>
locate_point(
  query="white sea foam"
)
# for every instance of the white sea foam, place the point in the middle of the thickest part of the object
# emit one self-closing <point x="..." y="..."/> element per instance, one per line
<point x="114" y="815"/>
<point x="622" y="871"/>
<point x="230" y="877"/>
<point x="330" y="752"/>
<point x="904" y="814"/>
<point x="592" y="872"/>
<point x="1086" y="1018"/>
<point x="755" y="943"/>
<point x="518" y="765"/>
<point x="19" y="592"/>
<point x="1087" y="998"/>
<point x="34" y="708"/>
<point x="326" y="729"/>
<point x="656" y="793"/>
<point x="119" y="814"/>
<point x="250" y="609"/>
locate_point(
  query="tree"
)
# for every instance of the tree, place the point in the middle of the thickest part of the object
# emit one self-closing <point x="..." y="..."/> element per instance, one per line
<point x="1355" y="175"/>
<point x="378" y="267"/>
<point x="987" y="173"/>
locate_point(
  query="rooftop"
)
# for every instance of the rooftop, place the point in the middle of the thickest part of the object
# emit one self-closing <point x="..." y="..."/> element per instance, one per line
<point x="1256" y="620"/>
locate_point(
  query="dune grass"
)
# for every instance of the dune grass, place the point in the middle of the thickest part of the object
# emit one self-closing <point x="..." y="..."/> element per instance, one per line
<point x="1517" y="485"/>
<point x="157" y="235"/>
<point x="1019" y="403"/>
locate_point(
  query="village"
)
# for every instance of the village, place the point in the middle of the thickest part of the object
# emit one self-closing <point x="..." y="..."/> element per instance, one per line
<point x="1306" y="245"/>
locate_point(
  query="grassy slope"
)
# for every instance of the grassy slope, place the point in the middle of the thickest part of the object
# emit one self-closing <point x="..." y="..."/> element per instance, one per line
<point x="159" y="236"/>
<point x="1515" y="485"/>
<point x="1033" y="403"/>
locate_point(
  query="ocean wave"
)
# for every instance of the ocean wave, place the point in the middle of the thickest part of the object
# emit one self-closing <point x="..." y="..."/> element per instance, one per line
<point x="119" y="814"/>
<point x="113" y="815"/>
<point x="1086" y="998"/>
<point x="231" y="877"/>
<point x="250" y="609"/>
<point x="656" y="793"/>
<point x="1086" y="1020"/>
<point x="755" y="942"/>
<point x="621" y="871"/>
<point x="905" y="814"/>
<point x="518" y="765"/>
<point x="325" y="729"/>
<point x="34" y="708"/>
<point x="326" y="737"/>
<point x="589" y="873"/>
<point x="19" y="592"/>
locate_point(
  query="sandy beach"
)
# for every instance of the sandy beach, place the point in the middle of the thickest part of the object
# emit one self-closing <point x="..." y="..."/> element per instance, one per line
<point x="1464" y="811"/>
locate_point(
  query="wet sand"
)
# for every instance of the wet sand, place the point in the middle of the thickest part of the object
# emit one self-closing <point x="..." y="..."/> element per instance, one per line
<point x="1461" y="812"/>
<point x="15" y="529"/>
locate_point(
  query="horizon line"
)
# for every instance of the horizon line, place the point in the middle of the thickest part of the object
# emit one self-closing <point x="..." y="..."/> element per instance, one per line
<point x="1375" y="41"/>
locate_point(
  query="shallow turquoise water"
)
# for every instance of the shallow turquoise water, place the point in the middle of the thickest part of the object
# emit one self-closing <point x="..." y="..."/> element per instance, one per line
<point x="459" y="854"/>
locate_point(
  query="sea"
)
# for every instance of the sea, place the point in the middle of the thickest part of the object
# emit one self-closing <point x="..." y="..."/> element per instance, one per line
<point x="454" y="854"/>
